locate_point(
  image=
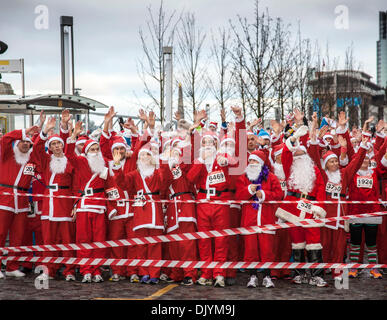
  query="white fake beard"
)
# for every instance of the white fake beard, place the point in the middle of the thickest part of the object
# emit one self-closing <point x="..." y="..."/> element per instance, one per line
<point x="20" y="157"/>
<point x="365" y="172"/>
<point x="96" y="162"/>
<point x="209" y="160"/>
<point x="229" y="151"/>
<point x="302" y="174"/>
<point x="145" y="170"/>
<point x="334" y="177"/>
<point x="253" y="170"/>
<point x="279" y="171"/>
<point x="58" y="164"/>
<point x="172" y="162"/>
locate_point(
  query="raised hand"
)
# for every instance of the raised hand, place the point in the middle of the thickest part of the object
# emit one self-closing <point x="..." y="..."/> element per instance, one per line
<point x="110" y="115"/>
<point x="365" y="126"/>
<point x="298" y="116"/>
<point x="42" y="119"/>
<point x="323" y="131"/>
<point x="342" y="120"/>
<point x="177" y="115"/>
<point x="342" y="141"/>
<point x="380" y="126"/>
<point x="129" y="124"/>
<point x="78" y="128"/>
<point x="151" y="119"/>
<point x="116" y="157"/>
<point x="49" y="125"/>
<point x="32" y="130"/>
<point x="142" y="115"/>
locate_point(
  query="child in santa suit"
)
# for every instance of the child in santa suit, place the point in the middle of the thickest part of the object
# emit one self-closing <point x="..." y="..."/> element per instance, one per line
<point x="260" y="185"/>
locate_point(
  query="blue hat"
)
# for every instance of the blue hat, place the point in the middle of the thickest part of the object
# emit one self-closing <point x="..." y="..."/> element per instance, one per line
<point x="264" y="134"/>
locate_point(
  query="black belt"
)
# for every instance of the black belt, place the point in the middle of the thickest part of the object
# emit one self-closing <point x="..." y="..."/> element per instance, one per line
<point x="179" y="194"/>
<point x="333" y="193"/>
<point x="217" y="193"/>
<point x="87" y="192"/>
<point x="300" y="195"/>
<point x="151" y="193"/>
<point x="13" y="187"/>
<point x="57" y="187"/>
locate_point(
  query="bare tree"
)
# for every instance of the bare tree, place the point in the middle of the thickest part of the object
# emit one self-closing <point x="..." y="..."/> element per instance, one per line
<point x="159" y="32"/>
<point x="192" y="69"/>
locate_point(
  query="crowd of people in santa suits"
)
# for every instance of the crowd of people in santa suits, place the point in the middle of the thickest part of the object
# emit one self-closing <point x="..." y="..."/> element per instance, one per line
<point x="119" y="179"/>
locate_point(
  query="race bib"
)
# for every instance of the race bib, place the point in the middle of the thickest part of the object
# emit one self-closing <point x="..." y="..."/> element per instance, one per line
<point x="176" y="172"/>
<point x="365" y="182"/>
<point x="305" y="206"/>
<point x="139" y="199"/>
<point x="333" y="188"/>
<point x="283" y="184"/>
<point x="112" y="193"/>
<point x="216" y="177"/>
<point x="29" y="169"/>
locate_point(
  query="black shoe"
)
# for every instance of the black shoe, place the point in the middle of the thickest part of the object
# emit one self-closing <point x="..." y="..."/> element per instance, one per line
<point x="230" y="281"/>
<point x="187" y="281"/>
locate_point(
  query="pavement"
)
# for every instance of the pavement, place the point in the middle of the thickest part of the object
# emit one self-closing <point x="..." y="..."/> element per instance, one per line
<point x="361" y="288"/>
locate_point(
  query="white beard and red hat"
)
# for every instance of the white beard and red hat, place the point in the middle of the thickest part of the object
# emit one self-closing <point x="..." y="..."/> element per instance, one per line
<point x="118" y="141"/>
<point x="21" y="157"/>
<point x="254" y="169"/>
<point x="146" y="170"/>
<point x="224" y="149"/>
<point x="95" y="160"/>
<point x="334" y="177"/>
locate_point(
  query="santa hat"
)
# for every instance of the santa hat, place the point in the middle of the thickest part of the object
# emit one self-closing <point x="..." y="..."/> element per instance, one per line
<point x="81" y="139"/>
<point x="327" y="136"/>
<point x="227" y="138"/>
<point x="213" y="124"/>
<point x="88" y="144"/>
<point x="264" y="134"/>
<point x="147" y="148"/>
<point x="54" y="137"/>
<point x="366" y="134"/>
<point x="277" y="150"/>
<point x="259" y="156"/>
<point x="328" y="155"/>
<point x="209" y="134"/>
<point x="118" y="141"/>
<point x="249" y="133"/>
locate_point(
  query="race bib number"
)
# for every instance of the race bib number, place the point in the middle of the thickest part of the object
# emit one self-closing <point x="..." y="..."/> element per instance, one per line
<point x="112" y="193"/>
<point x="365" y="182"/>
<point x="29" y="169"/>
<point x="216" y="177"/>
<point x="333" y="188"/>
<point x="373" y="164"/>
<point x="283" y="184"/>
<point x="176" y="173"/>
<point x="139" y="199"/>
<point x="305" y="206"/>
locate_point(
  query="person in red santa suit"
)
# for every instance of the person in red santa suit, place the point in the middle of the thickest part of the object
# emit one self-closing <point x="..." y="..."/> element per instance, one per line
<point x="258" y="184"/>
<point x="94" y="182"/>
<point x="333" y="235"/>
<point x="298" y="165"/>
<point x="57" y="222"/>
<point x="180" y="216"/>
<point x="210" y="175"/>
<point x="146" y="183"/>
<point x="16" y="171"/>
<point x="120" y="226"/>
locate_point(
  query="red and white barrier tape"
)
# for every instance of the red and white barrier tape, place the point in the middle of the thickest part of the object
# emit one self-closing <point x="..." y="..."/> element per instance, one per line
<point x="182" y="236"/>
<point x="190" y="264"/>
<point x="212" y="201"/>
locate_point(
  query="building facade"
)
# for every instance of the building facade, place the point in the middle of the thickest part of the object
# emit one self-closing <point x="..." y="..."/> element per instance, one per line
<point x="381" y="51"/>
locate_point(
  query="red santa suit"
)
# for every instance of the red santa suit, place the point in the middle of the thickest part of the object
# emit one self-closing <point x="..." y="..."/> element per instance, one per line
<point x="16" y="171"/>
<point x="90" y="212"/>
<point x="212" y="182"/>
<point x="148" y="219"/>
<point x="180" y="217"/>
<point x="264" y="214"/>
<point x="120" y="225"/>
<point x="57" y="222"/>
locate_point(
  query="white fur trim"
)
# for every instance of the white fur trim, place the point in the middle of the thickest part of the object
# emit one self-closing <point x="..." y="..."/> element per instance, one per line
<point x="290" y="146"/>
<point x="313" y="142"/>
<point x="364" y="146"/>
<point x="380" y="135"/>
<point x="118" y="144"/>
<point x="64" y="130"/>
<point x="339" y="130"/>
<point x="239" y="119"/>
<point x="313" y="246"/>
<point x="344" y="162"/>
<point x="300" y="245"/>
<point x="327" y="158"/>
<point x="255" y="157"/>
<point x="367" y="134"/>
<point x="104" y="174"/>
<point x="336" y="146"/>
<point x="42" y="136"/>
<point x="106" y="135"/>
<point x="250" y="190"/>
<point x="228" y="139"/>
<point x="55" y="139"/>
<point x="69" y="141"/>
<point x="88" y="147"/>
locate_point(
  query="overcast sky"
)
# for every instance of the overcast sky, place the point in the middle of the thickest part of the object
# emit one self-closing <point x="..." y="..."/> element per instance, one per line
<point x="107" y="43"/>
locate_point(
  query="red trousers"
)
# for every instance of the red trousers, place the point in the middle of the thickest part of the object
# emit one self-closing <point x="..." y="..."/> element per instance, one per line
<point x="382" y="241"/>
<point x="34" y="230"/>
<point x="334" y="244"/>
<point x="213" y="217"/>
<point x="234" y="241"/>
<point x="117" y="230"/>
<point x="58" y="232"/>
<point x="16" y="225"/>
<point x="259" y="247"/>
<point x="184" y="251"/>
<point x="149" y="251"/>
<point x="300" y="235"/>
<point x="91" y="227"/>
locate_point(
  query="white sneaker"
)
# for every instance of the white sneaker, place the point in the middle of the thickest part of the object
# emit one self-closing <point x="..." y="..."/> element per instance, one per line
<point x="70" y="277"/>
<point x="15" y="273"/>
<point x="204" y="282"/>
<point x="1" y="275"/>
<point x="267" y="282"/>
<point x="219" y="282"/>
<point x="253" y="282"/>
<point x="97" y="278"/>
<point x="134" y="278"/>
<point x="163" y="277"/>
<point x="44" y="277"/>
<point x="318" y="281"/>
<point x="86" y="278"/>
